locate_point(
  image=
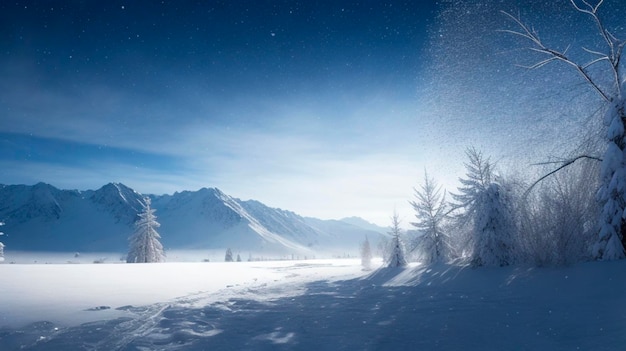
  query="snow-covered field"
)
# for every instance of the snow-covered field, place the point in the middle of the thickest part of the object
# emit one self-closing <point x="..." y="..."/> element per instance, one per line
<point x="310" y="305"/>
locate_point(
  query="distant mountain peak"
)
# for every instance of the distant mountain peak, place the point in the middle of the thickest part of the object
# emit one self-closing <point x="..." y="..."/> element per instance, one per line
<point x="362" y="223"/>
<point x="42" y="217"/>
<point x="123" y="202"/>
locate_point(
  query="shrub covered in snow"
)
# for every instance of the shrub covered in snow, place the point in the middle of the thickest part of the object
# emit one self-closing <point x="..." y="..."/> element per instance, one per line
<point x="558" y="217"/>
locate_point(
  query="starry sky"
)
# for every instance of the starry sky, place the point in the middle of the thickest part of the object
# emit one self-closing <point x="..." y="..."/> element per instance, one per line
<point x="326" y="108"/>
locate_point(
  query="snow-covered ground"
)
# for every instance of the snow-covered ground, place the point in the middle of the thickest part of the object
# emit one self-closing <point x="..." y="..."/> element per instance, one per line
<point x="310" y="305"/>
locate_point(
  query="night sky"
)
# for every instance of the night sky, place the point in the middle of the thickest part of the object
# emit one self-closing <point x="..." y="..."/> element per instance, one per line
<point x="329" y="109"/>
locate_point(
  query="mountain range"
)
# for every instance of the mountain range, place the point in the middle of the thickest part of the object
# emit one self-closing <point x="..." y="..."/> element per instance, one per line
<point x="43" y="218"/>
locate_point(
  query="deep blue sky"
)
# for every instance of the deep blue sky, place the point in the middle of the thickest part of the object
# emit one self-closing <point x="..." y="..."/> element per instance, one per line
<point x="277" y="101"/>
<point x="328" y="109"/>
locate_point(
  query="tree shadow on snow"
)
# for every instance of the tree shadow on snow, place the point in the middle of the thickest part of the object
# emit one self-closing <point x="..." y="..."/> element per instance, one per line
<point x="439" y="307"/>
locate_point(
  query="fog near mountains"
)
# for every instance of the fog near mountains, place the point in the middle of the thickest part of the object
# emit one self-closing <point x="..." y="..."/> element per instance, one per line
<point x="44" y="218"/>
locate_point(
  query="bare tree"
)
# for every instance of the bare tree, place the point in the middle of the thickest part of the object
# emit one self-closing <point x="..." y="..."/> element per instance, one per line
<point x="612" y="189"/>
<point x="559" y="218"/>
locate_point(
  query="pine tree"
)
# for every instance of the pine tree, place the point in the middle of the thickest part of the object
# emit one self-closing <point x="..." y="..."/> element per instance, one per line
<point x="144" y="243"/>
<point x="487" y="213"/>
<point x="229" y="255"/>
<point x="397" y="254"/>
<point x="612" y="193"/>
<point x="366" y="255"/>
<point x="430" y="210"/>
<point x="493" y="228"/>
<point x="238" y="258"/>
<point x="478" y="177"/>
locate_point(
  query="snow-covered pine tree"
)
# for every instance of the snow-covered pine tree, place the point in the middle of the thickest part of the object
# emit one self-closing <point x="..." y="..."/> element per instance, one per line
<point x="228" y="257"/>
<point x="366" y="255"/>
<point x="144" y="243"/>
<point x="612" y="192"/>
<point x="238" y="258"/>
<point x="487" y="213"/>
<point x="477" y="178"/>
<point x="493" y="228"/>
<point x="397" y="256"/>
<point x="605" y="74"/>
<point x="430" y="210"/>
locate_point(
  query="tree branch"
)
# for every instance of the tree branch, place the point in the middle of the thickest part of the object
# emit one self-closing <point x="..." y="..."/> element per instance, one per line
<point x="556" y="55"/>
<point x="564" y="164"/>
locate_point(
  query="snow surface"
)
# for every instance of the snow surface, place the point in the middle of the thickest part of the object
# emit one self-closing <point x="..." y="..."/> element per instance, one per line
<point x="311" y="305"/>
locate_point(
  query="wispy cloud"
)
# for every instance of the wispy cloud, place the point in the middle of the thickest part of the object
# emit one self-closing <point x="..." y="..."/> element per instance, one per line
<point x="326" y="155"/>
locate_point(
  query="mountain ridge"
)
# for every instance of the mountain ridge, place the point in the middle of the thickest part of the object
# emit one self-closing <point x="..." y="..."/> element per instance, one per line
<point x="42" y="217"/>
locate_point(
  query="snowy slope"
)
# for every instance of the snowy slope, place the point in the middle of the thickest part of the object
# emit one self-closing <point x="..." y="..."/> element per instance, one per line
<point x="286" y="223"/>
<point x="340" y="235"/>
<point x="312" y="305"/>
<point x="209" y="219"/>
<point x="361" y="223"/>
<point x="44" y="218"/>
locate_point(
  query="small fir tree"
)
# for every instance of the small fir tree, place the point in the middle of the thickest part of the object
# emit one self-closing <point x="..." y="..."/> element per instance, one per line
<point x="144" y="243"/>
<point x="397" y="254"/>
<point x="366" y="255"/>
<point x="229" y="255"/>
<point x="478" y="177"/>
<point x="430" y="210"/>
<point x="238" y="258"/>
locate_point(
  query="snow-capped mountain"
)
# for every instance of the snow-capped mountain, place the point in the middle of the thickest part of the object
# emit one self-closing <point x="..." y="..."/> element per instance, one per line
<point x="361" y="223"/>
<point x="44" y="218"/>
